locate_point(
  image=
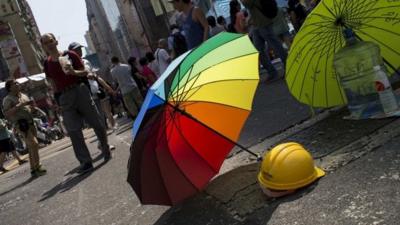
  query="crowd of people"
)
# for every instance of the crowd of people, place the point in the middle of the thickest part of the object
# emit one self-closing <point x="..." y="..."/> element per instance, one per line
<point x="83" y="97"/>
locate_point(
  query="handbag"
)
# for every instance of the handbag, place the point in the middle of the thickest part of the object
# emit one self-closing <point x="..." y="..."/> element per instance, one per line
<point x="23" y="125"/>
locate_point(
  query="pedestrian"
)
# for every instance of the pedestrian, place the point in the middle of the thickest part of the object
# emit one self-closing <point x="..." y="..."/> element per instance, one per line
<point x="281" y="29"/>
<point x="147" y="72"/>
<point x="121" y="73"/>
<point x="98" y="88"/>
<point x="137" y="77"/>
<point x="7" y="146"/>
<point x="297" y="13"/>
<point x="194" y="24"/>
<point x="214" y="29"/>
<point x="177" y="42"/>
<point x="221" y="22"/>
<point x="262" y="33"/>
<point x="238" y="19"/>
<point x="19" y="109"/>
<point x="67" y="73"/>
<point x="152" y="63"/>
<point x="162" y="57"/>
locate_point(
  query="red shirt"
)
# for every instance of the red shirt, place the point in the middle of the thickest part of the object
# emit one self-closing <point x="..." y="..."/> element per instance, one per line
<point x="61" y="80"/>
<point x="149" y="74"/>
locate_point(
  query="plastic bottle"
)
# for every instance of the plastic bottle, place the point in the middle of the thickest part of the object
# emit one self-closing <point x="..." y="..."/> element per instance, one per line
<point x="384" y="89"/>
<point x="354" y="65"/>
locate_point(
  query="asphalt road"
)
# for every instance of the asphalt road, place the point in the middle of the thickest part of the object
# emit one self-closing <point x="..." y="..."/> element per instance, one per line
<point x="104" y="196"/>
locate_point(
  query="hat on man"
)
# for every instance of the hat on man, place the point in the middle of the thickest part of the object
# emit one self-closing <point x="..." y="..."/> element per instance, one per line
<point x="74" y="45"/>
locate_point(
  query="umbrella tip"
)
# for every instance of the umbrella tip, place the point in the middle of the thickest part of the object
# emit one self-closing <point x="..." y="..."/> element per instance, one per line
<point x="339" y="21"/>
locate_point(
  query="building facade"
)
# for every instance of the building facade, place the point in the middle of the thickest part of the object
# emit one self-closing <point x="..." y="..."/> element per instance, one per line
<point x="126" y="28"/>
<point x="20" y="48"/>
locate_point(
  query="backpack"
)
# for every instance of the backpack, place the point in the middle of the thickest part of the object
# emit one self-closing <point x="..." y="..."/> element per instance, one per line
<point x="179" y="43"/>
<point x="269" y="8"/>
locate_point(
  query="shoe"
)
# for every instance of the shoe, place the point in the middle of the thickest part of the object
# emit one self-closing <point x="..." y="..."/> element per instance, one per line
<point x="112" y="147"/>
<point x="22" y="161"/>
<point x="115" y="128"/>
<point x="107" y="157"/>
<point x="38" y="172"/>
<point x="272" y="77"/>
<point x="84" y="168"/>
<point x="4" y="170"/>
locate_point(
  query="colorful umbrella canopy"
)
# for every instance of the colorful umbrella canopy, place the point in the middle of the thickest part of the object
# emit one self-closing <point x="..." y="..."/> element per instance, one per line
<point x="191" y="118"/>
<point x="310" y="75"/>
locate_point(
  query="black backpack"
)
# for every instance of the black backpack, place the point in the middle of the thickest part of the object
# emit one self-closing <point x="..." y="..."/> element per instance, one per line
<point x="179" y="43"/>
<point x="269" y="8"/>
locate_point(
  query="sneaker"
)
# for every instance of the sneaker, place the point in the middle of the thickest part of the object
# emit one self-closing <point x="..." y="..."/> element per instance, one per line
<point x="84" y="168"/>
<point x="112" y="147"/>
<point x="22" y="161"/>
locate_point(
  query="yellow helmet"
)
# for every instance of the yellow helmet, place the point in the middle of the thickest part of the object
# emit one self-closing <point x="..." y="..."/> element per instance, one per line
<point x="288" y="166"/>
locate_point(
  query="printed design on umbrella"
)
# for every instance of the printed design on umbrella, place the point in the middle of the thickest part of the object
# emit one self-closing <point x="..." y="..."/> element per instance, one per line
<point x="309" y="72"/>
<point x="191" y="118"/>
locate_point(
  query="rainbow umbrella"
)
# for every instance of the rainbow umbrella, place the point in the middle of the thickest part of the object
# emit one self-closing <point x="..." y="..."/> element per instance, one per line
<point x="191" y="119"/>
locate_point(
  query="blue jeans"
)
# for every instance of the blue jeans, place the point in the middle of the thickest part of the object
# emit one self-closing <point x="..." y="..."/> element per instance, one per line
<point x="265" y="34"/>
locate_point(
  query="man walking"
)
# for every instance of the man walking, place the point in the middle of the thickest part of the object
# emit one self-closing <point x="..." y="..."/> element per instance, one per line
<point x="75" y="100"/>
<point x="129" y="90"/>
<point x="263" y="32"/>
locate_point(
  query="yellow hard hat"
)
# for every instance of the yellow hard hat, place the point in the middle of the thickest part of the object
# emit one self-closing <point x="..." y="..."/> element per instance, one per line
<point x="288" y="166"/>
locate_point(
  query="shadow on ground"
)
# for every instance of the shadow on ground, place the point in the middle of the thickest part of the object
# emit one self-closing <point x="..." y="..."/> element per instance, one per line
<point x="233" y="198"/>
<point x="70" y="182"/>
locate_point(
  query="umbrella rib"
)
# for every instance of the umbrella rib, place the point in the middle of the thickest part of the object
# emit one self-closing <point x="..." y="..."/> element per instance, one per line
<point x="329" y="9"/>
<point x="172" y="121"/>
<point x="198" y="75"/>
<point x="304" y="46"/>
<point x="383" y="44"/>
<point x="309" y="42"/>
<point x="373" y="10"/>
<point x="218" y="133"/>
<point x="315" y="80"/>
<point x="207" y="53"/>
<point x="304" y="77"/>
<point x="338" y="35"/>
<point x="217" y="103"/>
<point x="184" y="93"/>
<point x="200" y="86"/>
<point x="182" y="135"/>
<point x="380" y="28"/>
<point x="182" y="89"/>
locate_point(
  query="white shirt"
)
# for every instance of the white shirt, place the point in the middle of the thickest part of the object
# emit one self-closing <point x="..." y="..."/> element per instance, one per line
<point x="162" y="58"/>
<point x="121" y="73"/>
<point x="94" y="86"/>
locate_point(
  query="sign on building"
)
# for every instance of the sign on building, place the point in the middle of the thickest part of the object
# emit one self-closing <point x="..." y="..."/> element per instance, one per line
<point x="11" y="53"/>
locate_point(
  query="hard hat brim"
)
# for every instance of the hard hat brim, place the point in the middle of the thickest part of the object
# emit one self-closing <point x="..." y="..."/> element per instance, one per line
<point x="320" y="172"/>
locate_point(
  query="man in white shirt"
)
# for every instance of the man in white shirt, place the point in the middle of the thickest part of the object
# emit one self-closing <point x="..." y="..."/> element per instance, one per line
<point x="162" y="57"/>
<point x="121" y="73"/>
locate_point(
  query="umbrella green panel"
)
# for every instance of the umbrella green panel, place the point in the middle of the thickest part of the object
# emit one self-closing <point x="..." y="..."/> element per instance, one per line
<point x="223" y="47"/>
<point x="310" y="75"/>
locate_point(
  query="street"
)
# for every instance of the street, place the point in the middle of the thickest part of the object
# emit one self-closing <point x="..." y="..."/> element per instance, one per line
<point x="353" y="190"/>
<point x="104" y="196"/>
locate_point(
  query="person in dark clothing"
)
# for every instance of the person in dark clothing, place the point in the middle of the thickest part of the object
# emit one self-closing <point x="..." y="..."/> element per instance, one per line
<point x="139" y="79"/>
<point x="297" y="13"/>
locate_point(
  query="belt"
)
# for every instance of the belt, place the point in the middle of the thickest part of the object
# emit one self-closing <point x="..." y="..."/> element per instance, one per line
<point x="70" y="87"/>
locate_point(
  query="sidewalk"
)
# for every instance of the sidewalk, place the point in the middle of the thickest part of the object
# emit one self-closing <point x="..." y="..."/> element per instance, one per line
<point x="361" y="177"/>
